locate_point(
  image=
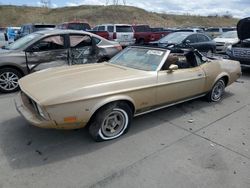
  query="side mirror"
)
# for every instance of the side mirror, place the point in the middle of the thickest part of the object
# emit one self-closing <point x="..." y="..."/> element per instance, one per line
<point x="172" y="68"/>
<point x="187" y="41"/>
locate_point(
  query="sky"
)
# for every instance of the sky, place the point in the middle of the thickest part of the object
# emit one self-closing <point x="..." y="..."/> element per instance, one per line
<point x="236" y="8"/>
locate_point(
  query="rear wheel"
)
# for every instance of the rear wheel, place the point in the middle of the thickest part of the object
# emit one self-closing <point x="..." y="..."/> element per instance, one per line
<point x="111" y="122"/>
<point x="9" y="80"/>
<point x="217" y="91"/>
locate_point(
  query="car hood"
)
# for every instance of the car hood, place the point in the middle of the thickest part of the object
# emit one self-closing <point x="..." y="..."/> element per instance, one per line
<point x="243" y="28"/>
<point x="227" y="40"/>
<point x="80" y="82"/>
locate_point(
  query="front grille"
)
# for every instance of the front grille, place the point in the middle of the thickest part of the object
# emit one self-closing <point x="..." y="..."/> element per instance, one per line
<point x="242" y="53"/>
<point x="220" y="44"/>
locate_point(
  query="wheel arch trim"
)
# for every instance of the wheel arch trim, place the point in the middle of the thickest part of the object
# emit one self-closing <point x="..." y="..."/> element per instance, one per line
<point x="222" y="75"/>
<point x="113" y="99"/>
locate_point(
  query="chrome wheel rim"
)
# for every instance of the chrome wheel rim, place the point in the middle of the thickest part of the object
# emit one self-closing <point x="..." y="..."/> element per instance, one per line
<point x="8" y="81"/>
<point x="114" y="124"/>
<point x="218" y="91"/>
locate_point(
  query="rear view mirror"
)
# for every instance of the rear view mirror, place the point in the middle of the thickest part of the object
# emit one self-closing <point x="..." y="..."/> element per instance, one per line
<point x="172" y="67"/>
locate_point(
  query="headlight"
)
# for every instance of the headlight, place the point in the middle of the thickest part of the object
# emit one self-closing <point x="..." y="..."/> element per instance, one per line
<point x="229" y="50"/>
<point x="228" y="44"/>
<point x="40" y="111"/>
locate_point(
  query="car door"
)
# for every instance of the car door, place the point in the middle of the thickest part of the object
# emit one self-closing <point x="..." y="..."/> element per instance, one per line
<point x="47" y="52"/>
<point x="192" y="41"/>
<point x="83" y="49"/>
<point x="205" y="43"/>
<point x="180" y="84"/>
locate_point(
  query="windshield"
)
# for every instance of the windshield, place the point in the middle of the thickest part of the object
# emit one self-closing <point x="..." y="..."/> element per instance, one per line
<point x="139" y="58"/>
<point x="229" y="34"/>
<point x="79" y="26"/>
<point x="124" y="29"/>
<point x="20" y="43"/>
<point x="175" y="38"/>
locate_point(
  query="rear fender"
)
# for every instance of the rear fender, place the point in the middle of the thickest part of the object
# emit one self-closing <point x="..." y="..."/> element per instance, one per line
<point x="223" y="74"/>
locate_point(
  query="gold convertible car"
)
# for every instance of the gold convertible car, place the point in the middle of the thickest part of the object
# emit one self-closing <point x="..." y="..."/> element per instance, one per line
<point x="105" y="97"/>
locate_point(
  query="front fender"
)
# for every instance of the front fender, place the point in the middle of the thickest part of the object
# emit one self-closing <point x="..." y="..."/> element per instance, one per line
<point x="111" y="99"/>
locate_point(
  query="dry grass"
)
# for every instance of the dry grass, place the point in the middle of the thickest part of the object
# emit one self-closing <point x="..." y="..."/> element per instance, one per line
<point x="17" y="15"/>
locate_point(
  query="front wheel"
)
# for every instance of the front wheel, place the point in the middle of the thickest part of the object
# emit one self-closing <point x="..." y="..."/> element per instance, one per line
<point x="9" y="80"/>
<point x="217" y="91"/>
<point x="111" y="122"/>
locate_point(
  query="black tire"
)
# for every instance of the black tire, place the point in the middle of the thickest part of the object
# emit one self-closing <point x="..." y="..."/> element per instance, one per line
<point x="217" y="91"/>
<point x="106" y="121"/>
<point x="9" y="80"/>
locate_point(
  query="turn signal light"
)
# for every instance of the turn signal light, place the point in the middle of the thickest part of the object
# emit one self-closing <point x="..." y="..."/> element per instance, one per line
<point x="70" y="119"/>
<point x="119" y="47"/>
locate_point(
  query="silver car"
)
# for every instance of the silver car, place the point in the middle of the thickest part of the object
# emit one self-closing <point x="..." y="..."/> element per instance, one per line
<point x="45" y="49"/>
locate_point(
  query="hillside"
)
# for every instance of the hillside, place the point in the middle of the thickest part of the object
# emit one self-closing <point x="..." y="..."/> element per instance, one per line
<point x="17" y="15"/>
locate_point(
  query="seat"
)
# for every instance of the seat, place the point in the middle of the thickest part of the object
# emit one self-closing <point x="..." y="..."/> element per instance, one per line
<point x="170" y="60"/>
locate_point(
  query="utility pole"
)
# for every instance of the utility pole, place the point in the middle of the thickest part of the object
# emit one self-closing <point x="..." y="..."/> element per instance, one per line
<point x="116" y="2"/>
<point x="45" y="3"/>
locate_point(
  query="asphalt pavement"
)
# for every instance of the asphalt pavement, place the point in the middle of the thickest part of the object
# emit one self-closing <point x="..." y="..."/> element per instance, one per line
<point x="192" y="145"/>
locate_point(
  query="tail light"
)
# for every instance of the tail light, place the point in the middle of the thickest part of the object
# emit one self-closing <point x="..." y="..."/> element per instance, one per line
<point x="152" y="38"/>
<point x="114" y="36"/>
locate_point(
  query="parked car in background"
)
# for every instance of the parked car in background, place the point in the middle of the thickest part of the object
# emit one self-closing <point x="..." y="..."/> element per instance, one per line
<point x="145" y="34"/>
<point x="225" y="40"/>
<point x="51" y="48"/>
<point x="12" y="32"/>
<point x="2" y="29"/>
<point x="142" y="34"/>
<point x="82" y="26"/>
<point x="122" y="33"/>
<point x="195" y="30"/>
<point x="216" y="31"/>
<point x="103" y="34"/>
<point x="31" y="28"/>
<point x="3" y="39"/>
<point x="198" y="41"/>
<point x="241" y="50"/>
<point x="107" y="96"/>
<point x="74" y="25"/>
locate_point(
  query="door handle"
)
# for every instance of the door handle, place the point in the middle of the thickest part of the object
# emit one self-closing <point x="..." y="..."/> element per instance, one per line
<point x="200" y="74"/>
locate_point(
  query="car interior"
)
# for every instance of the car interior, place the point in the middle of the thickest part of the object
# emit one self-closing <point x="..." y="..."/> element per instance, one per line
<point x="81" y="49"/>
<point x="183" y="60"/>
